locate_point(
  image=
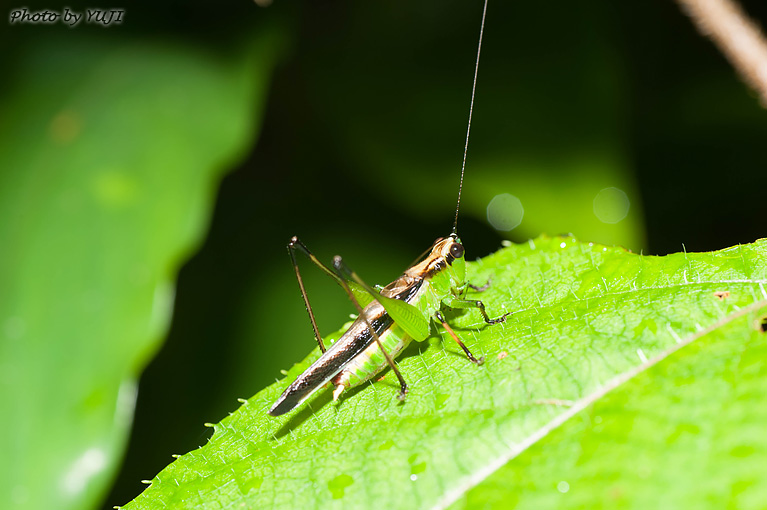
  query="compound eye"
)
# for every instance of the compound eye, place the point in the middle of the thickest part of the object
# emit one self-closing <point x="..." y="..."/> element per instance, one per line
<point x="456" y="250"/>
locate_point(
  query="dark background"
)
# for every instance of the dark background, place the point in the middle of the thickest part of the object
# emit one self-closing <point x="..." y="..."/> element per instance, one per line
<point x="360" y="154"/>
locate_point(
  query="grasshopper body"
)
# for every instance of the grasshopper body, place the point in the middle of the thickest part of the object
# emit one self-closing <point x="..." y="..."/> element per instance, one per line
<point x="391" y="318"/>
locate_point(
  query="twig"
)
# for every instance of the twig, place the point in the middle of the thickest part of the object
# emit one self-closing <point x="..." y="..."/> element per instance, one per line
<point x="741" y="41"/>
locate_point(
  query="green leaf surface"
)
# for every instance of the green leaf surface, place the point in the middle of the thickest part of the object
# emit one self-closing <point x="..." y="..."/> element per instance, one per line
<point x="686" y="433"/>
<point x="106" y="185"/>
<point x="587" y="320"/>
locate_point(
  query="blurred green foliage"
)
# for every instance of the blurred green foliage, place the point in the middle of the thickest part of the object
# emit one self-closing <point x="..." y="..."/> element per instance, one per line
<point x="359" y="154"/>
<point x="587" y="320"/>
<point x="106" y="186"/>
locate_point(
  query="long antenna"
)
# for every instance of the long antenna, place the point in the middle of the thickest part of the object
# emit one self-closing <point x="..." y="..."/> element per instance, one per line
<point x="471" y="110"/>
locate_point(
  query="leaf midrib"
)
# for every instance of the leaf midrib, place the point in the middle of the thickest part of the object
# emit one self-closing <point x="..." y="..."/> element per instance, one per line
<point x="580" y="404"/>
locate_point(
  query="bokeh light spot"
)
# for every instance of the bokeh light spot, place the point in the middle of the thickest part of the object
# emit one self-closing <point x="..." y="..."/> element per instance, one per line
<point x="611" y="205"/>
<point x="505" y="212"/>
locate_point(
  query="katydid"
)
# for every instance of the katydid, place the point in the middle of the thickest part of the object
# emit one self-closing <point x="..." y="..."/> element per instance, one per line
<point x="390" y="318"/>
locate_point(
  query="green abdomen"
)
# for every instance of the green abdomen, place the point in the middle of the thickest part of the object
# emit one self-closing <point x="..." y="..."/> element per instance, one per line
<point x="372" y="361"/>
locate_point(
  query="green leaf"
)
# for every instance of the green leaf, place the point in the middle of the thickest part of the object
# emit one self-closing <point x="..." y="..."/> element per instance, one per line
<point x="588" y="320"/>
<point x="686" y="433"/>
<point x="110" y="153"/>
